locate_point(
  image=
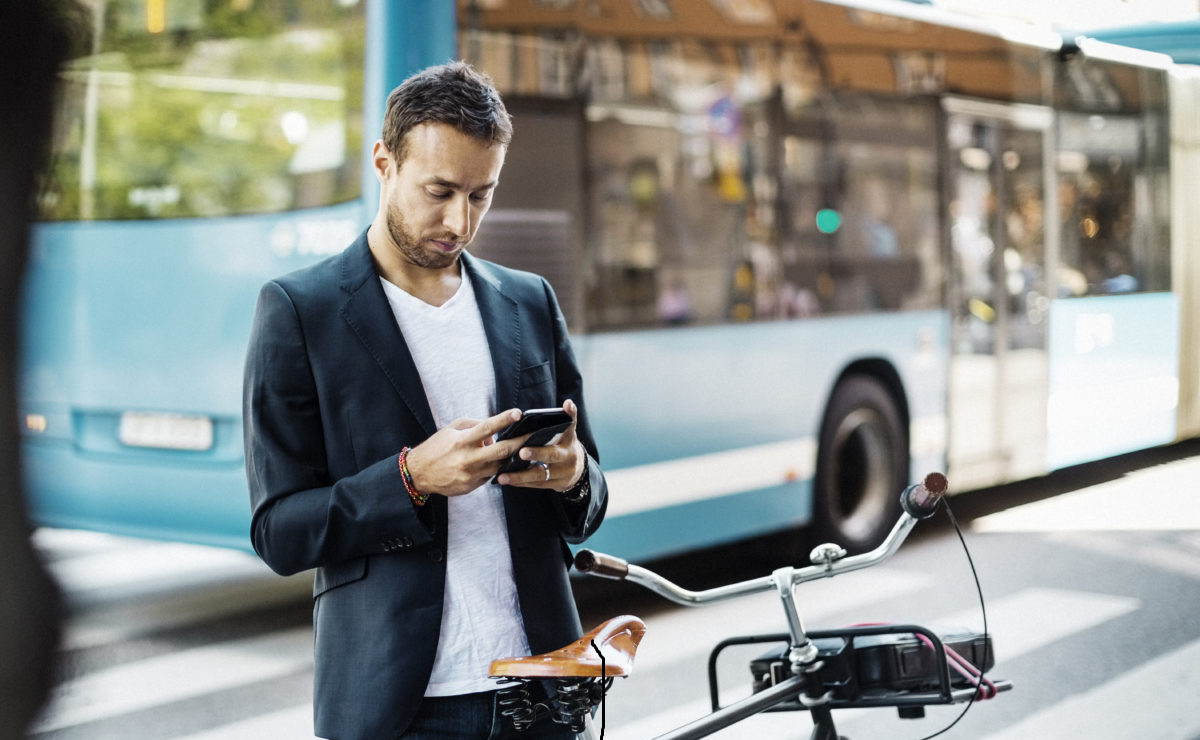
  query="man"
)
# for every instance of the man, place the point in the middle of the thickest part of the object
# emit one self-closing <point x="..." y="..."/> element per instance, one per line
<point x="372" y="385"/>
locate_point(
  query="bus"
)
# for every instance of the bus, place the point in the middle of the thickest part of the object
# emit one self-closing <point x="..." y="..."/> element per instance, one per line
<point x="807" y="249"/>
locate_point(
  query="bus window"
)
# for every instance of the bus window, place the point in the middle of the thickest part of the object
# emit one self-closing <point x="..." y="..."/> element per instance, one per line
<point x="725" y="207"/>
<point x="1112" y="182"/>
<point x="1114" y="207"/>
<point x="859" y="200"/>
<point x="209" y="109"/>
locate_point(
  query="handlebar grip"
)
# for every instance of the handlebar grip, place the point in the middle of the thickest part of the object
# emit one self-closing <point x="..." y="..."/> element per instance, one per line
<point x="599" y="564"/>
<point x="921" y="500"/>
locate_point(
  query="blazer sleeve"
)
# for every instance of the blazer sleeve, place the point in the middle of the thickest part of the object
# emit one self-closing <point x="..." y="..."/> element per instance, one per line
<point x="578" y="520"/>
<point x="301" y="517"/>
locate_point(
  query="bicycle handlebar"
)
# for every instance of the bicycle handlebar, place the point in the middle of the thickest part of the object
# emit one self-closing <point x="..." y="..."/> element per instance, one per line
<point x="918" y="502"/>
<point x="921" y="500"/>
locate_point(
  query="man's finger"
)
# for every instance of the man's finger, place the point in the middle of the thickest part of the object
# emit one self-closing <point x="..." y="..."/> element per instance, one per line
<point x="490" y="427"/>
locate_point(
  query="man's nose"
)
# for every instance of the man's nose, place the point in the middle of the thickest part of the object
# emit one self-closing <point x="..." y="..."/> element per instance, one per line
<point x="457" y="216"/>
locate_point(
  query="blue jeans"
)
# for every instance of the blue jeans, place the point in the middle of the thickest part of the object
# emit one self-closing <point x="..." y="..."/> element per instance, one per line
<point x="474" y="717"/>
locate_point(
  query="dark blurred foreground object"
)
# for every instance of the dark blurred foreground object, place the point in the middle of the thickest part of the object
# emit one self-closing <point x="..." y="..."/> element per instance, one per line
<point x="33" y="43"/>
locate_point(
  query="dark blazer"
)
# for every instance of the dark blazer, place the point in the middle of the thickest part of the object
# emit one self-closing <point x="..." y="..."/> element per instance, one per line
<point x="331" y="396"/>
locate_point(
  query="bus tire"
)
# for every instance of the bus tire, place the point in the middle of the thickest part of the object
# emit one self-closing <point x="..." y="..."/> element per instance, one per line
<point x="862" y="465"/>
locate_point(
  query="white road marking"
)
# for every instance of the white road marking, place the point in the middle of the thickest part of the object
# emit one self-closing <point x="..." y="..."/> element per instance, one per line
<point x="1163" y="497"/>
<point x="107" y="568"/>
<point x="175" y="676"/>
<point x="120" y="588"/>
<point x="1153" y="701"/>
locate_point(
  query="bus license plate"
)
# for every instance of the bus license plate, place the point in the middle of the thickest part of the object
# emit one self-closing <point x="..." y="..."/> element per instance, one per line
<point x="165" y="431"/>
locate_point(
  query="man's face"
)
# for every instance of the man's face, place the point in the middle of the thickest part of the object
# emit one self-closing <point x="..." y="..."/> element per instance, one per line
<point x="436" y="198"/>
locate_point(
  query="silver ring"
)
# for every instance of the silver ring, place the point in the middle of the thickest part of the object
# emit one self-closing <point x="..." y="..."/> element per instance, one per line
<point x="545" y="468"/>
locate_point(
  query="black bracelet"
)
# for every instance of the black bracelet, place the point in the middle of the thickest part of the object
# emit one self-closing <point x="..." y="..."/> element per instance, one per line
<point x="578" y="493"/>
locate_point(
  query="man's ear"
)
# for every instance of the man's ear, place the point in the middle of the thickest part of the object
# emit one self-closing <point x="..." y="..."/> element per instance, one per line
<point x="381" y="160"/>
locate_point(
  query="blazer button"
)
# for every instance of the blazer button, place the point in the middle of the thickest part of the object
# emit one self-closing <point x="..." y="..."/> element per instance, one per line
<point x="436" y="555"/>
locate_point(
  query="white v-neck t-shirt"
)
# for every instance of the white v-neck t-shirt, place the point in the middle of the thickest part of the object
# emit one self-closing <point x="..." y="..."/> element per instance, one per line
<point x="481" y="617"/>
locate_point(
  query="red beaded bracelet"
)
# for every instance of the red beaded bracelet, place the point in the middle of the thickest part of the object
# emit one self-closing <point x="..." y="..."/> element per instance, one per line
<point x="417" y="497"/>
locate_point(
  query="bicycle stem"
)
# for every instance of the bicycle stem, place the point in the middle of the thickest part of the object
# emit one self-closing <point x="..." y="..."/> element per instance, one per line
<point x="802" y="651"/>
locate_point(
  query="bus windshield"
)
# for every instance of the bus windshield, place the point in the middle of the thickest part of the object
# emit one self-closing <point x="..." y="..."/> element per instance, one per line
<point x="180" y="110"/>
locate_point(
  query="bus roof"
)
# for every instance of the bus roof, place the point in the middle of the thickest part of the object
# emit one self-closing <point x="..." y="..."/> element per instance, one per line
<point x="1179" y="40"/>
<point x="888" y="46"/>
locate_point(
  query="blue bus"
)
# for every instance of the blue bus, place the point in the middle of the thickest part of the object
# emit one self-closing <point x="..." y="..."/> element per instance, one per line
<point x="808" y="249"/>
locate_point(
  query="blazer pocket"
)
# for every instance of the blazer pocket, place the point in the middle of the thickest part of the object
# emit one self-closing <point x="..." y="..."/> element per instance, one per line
<point x="535" y="375"/>
<point x="332" y="576"/>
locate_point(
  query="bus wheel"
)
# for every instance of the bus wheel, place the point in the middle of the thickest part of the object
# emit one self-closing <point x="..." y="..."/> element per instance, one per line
<point x="862" y="465"/>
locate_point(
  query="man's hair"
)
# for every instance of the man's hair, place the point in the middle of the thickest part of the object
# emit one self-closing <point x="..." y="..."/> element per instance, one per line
<point x="455" y="94"/>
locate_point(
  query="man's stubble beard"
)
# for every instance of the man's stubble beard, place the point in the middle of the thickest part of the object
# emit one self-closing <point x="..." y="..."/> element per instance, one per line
<point x="409" y="245"/>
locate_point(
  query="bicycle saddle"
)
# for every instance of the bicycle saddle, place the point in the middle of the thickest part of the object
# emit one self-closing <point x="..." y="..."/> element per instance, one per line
<point x="616" y="638"/>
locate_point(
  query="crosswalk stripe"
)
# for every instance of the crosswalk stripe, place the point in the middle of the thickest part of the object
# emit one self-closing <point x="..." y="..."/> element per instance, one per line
<point x="110" y="624"/>
<point x="1035" y="617"/>
<point x="1165" y="500"/>
<point x="129" y="568"/>
<point x="1154" y="701"/>
<point x="1018" y="621"/>
<point x="1181" y="556"/>
<point x="175" y="676"/>
<point x="121" y="588"/>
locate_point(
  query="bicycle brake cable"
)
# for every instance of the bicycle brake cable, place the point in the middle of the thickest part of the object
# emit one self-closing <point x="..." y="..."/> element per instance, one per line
<point x="604" y="690"/>
<point x="987" y="648"/>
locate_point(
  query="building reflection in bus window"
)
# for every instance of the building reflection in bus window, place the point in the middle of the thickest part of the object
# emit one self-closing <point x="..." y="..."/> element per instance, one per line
<point x="1110" y="168"/>
<point x="739" y="210"/>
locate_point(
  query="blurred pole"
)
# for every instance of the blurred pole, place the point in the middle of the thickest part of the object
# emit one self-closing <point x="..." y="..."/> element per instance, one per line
<point x="33" y="43"/>
<point x="91" y="107"/>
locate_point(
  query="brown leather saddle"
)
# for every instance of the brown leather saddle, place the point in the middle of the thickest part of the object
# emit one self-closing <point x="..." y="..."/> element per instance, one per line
<point x="616" y="639"/>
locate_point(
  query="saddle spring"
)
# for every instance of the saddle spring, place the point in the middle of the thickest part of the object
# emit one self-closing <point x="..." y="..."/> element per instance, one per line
<point x="515" y="704"/>
<point x="575" y="699"/>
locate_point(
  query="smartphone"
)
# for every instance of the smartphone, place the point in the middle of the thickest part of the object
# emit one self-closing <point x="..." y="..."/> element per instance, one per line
<point x="544" y="427"/>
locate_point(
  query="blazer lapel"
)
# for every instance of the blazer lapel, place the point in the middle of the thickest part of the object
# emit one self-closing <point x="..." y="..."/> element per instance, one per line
<point x="502" y="326"/>
<point x="369" y="315"/>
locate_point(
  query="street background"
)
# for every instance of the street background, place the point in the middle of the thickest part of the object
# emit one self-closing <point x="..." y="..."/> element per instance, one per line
<point x="1091" y="578"/>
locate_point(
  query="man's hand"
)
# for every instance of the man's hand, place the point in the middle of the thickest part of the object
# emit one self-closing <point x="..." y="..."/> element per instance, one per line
<point x="462" y="456"/>
<point x="556" y="467"/>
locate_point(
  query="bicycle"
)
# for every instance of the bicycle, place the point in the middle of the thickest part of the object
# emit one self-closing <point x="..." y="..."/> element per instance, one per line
<point x="907" y="667"/>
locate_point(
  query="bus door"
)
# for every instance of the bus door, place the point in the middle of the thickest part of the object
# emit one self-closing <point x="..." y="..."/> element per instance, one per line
<point x="999" y="206"/>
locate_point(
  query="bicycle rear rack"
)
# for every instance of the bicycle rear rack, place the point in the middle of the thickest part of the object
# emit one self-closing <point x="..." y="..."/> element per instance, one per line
<point x="868" y="666"/>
